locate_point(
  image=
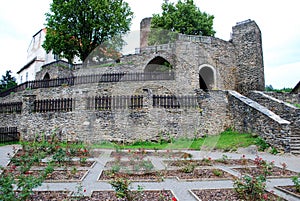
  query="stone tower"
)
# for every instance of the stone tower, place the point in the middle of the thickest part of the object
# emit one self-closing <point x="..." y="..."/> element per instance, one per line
<point x="246" y="37"/>
<point x="144" y="31"/>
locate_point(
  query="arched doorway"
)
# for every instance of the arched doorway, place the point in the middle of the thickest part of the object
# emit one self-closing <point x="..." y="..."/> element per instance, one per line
<point x="207" y="77"/>
<point x="158" y="64"/>
<point x="46" y="76"/>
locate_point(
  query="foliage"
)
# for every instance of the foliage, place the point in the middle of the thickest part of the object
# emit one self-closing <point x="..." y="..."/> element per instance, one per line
<point x="7" y="81"/>
<point x="270" y="88"/>
<point x="121" y="187"/>
<point x="77" y="27"/>
<point x="262" y="144"/>
<point x="296" y="181"/>
<point x="24" y="181"/>
<point x="184" y="17"/>
<point x="253" y="187"/>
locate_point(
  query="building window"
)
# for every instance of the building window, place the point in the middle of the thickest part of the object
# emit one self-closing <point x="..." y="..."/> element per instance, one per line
<point x="21" y="80"/>
<point x="26" y="76"/>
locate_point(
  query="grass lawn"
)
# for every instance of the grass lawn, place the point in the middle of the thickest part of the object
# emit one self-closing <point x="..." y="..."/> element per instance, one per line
<point x="227" y="140"/>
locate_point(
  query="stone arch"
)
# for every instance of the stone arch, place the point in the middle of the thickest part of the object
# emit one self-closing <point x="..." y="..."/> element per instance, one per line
<point x="207" y="77"/>
<point x="46" y="76"/>
<point x="158" y="64"/>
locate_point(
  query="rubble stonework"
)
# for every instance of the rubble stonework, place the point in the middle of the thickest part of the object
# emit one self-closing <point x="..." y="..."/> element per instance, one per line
<point x="208" y="68"/>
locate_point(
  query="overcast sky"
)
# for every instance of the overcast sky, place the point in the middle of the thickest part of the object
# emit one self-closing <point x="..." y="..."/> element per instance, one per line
<point x="278" y="20"/>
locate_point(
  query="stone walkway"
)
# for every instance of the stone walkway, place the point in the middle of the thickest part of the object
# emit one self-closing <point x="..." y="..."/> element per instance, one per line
<point x="179" y="188"/>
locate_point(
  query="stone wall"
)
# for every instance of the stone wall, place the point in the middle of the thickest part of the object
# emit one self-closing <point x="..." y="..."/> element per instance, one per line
<point x="284" y="110"/>
<point x="249" y="116"/>
<point x="148" y="123"/>
<point x="286" y="97"/>
<point x="246" y="37"/>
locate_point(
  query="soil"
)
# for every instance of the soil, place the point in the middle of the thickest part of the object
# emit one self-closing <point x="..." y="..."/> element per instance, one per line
<point x="49" y="195"/>
<point x="206" y="162"/>
<point x="136" y="166"/>
<point x="63" y="175"/>
<point x="69" y="163"/>
<point x="145" y="195"/>
<point x="226" y="194"/>
<point x="160" y="195"/>
<point x="197" y="174"/>
<point x="275" y="172"/>
<point x="289" y="189"/>
<point x="143" y="153"/>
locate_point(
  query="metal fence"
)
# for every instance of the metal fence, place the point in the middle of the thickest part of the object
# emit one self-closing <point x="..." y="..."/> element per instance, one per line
<point x="9" y="134"/>
<point x="96" y="78"/>
<point x="54" y="105"/>
<point x="115" y="102"/>
<point x="172" y="101"/>
<point x="9" y="108"/>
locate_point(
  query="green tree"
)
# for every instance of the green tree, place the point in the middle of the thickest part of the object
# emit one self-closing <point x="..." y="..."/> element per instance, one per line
<point x="77" y="27"/>
<point x="7" y="81"/>
<point x="184" y="17"/>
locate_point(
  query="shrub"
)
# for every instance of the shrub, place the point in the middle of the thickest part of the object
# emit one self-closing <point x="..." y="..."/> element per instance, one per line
<point x="296" y="181"/>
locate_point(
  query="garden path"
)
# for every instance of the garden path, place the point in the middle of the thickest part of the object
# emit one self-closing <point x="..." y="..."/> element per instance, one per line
<point x="179" y="188"/>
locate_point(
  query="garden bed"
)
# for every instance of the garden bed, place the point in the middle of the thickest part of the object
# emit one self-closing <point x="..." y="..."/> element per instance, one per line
<point x="226" y="194"/>
<point x="145" y="195"/>
<point x="289" y="190"/>
<point x="144" y="153"/>
<point x="49" y="195"/>
<point x="197" y="174"/>
<point x="207" y="162"/>
<point x="275" y="172"/>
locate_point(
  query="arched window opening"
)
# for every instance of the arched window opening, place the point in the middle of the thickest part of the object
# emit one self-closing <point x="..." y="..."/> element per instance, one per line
<point x="206" y="78"/>
<point x="46" y="76"/>
<point x="158" y="64"/>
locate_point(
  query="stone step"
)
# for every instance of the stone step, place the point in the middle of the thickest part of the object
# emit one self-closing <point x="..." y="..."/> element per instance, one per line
<point x="296" y="152"/>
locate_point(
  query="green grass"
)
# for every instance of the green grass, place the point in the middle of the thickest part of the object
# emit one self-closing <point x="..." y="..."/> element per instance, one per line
<point x="297" y="105"/>
<point x="227" y="140"/>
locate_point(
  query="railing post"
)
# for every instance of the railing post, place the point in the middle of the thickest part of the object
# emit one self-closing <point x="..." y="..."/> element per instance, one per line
<point x="28" y="104"/>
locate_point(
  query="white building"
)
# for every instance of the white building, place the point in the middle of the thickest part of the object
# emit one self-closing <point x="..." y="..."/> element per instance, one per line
<point x="36" y="58"/>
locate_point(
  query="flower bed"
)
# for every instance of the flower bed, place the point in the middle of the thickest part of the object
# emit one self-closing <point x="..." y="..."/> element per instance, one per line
<point x="227" y="194"/>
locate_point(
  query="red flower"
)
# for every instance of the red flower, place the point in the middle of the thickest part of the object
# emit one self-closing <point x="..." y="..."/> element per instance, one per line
<point x="174" y="199"/>
<point x="265" y="196"/>
<point x="84" y="190"/>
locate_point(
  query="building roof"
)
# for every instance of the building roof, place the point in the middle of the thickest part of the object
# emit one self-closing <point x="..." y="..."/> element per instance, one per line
<point x="296" y="88"/>
<point x="27" y="65"/>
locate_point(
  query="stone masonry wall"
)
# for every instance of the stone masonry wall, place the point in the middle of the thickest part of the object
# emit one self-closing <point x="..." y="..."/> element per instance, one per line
<point x="147" y="123"/>
<point x="249" y="116"/>
<point x="286" y="97"/>
<point x="284" y="110"/>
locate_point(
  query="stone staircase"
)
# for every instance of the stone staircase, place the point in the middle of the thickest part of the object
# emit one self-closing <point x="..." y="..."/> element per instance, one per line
<point x="295" y="138"/>
<point x="285" y="111"/>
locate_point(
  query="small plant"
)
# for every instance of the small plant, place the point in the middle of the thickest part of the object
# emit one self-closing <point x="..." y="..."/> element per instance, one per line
<point x="250" y="188"/>
<point x="274" y="151"/>
<point x="244" y="160"/>
<point x="82" y="160"/>
<point x="60" y="156"/>
<point x="187" y="156"/>
<point x="121" y="187"/>
<point x="217" y="172"/>
<point x="224" y="159"/>
<point x="79" y="191"/>
<point x="284" y="166"/>
<point x="189" y="168"/>
<point x="262" y="144"/>
<point x="296" y="181"/>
